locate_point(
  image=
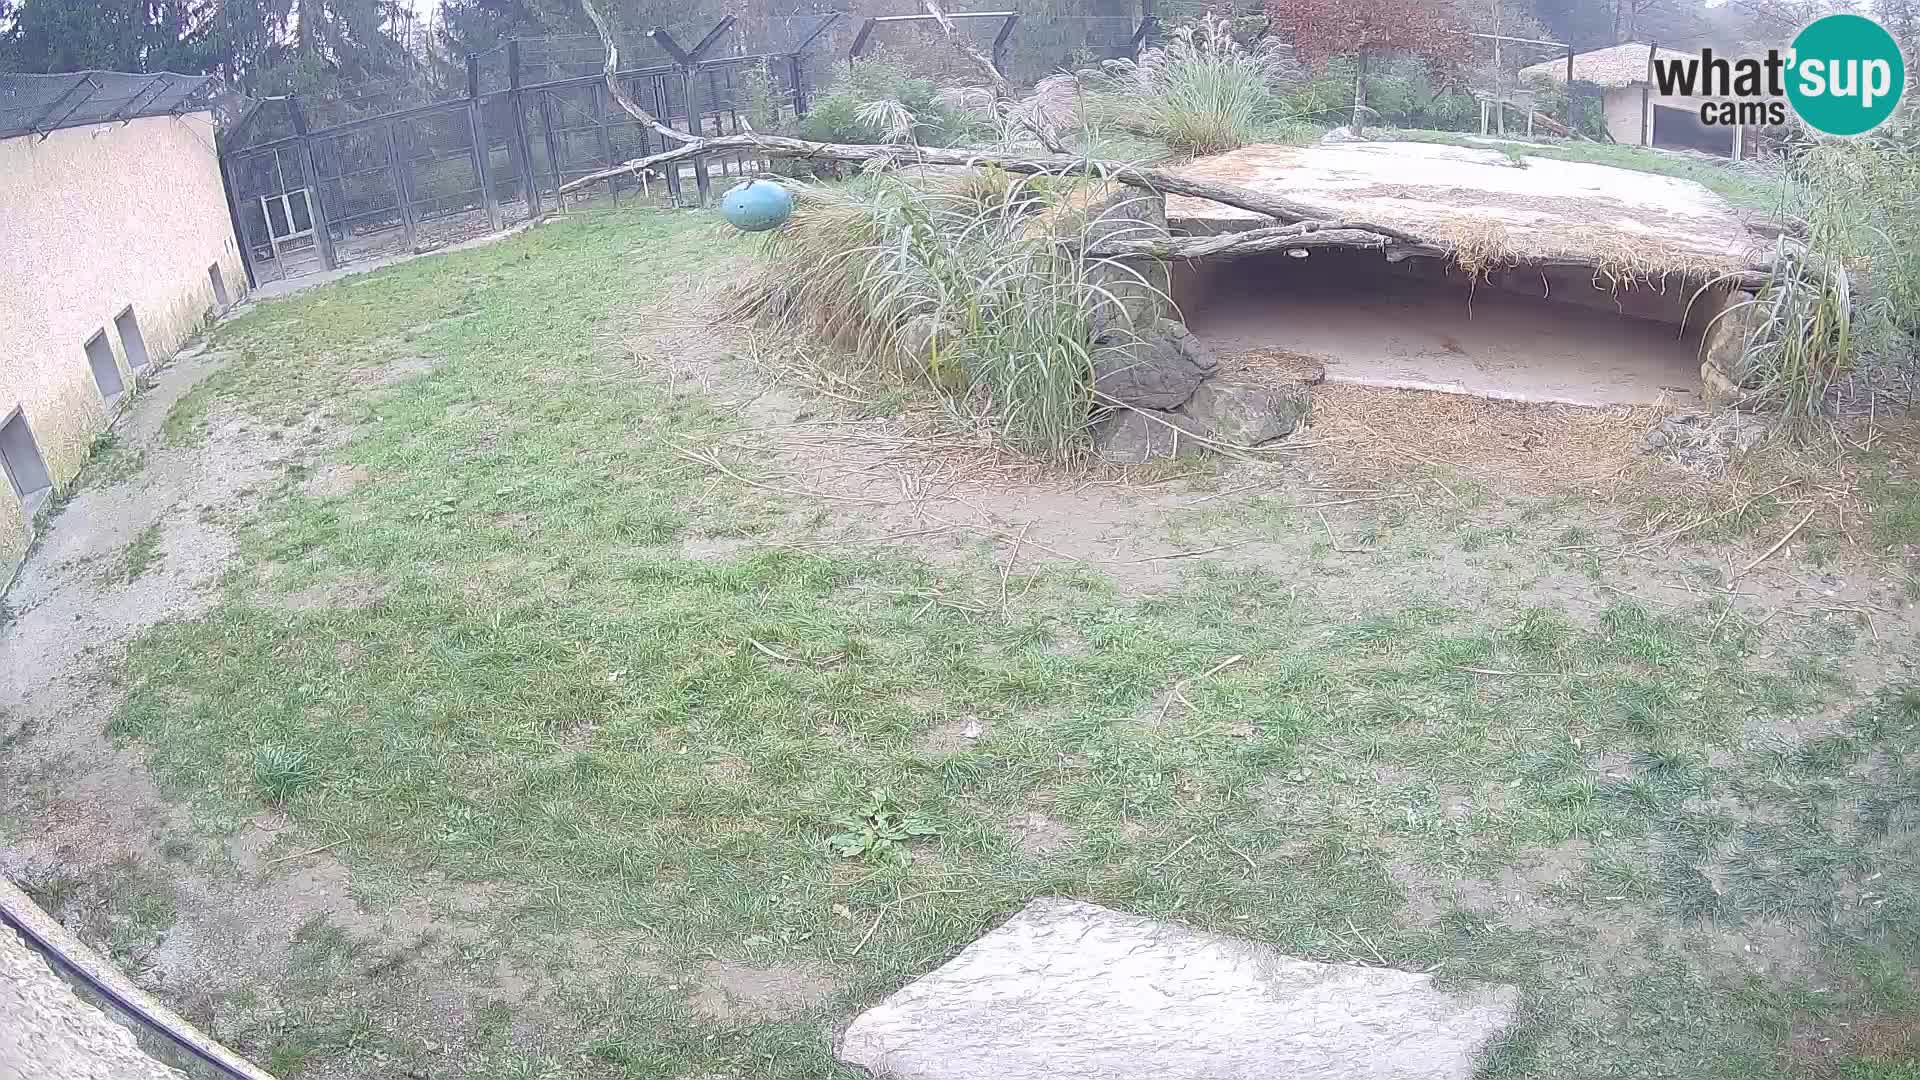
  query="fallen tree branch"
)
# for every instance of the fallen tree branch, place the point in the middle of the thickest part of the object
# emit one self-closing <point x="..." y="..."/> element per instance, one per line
<point x="1332" y="234"/>
<point x="895" y="155"/>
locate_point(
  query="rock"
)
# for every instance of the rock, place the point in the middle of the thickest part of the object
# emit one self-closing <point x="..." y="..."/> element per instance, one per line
<point x="919" y="335"/>
<point x="1099" y="211"/>
<point x="1725" y="346"/>
<point x="1155" y="368"/>
<point x="1068" y="989"/>
<point x="1341" y="134"/>
<point x="1138" y="436"/>
<point x="1239" y="414"/>
<point x="1717" y="389"/>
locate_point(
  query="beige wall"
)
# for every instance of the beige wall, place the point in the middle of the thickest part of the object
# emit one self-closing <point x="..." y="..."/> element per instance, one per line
<point x="1622" y="108"/>
<point x="93" y="219"/>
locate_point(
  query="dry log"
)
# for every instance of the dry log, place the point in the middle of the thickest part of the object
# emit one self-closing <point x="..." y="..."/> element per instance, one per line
<point x="1261" y="241"/>
<point x="894" y="155"/>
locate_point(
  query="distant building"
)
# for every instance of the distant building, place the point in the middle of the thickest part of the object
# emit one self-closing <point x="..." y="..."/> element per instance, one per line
<point x="115" y="247"/>
<point x="1636" y="113"/>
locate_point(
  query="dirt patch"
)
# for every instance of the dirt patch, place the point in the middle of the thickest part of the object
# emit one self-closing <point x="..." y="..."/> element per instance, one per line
<point x="734" y="992"/>
<point x="333" y="481"/>
<point x="391" y="373"/>
<point x="1037" y="835"/>
<point x="952" y="737"/>
<point x="352" y="594"/>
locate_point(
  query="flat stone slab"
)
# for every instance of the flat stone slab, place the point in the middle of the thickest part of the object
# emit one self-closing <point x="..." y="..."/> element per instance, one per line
<point x="1067" y="990"/>
<point x="1546" y="208"/>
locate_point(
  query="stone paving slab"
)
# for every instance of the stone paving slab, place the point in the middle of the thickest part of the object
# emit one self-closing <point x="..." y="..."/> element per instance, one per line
<point x="1066" y="989"/>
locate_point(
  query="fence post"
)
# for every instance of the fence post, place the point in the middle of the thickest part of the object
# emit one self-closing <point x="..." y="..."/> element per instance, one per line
<point x="322" y="232"/>
<point x="477" y="144"/>
<point x="233" y="216"/>
<point x="799" y="78"/>
<point x="600" y="96"/>
<point x="1000" y="42"/>
<point x="522" y="149"/>
<point x="401" y="188"/>
<point x="1570" y="101"/>
<point x="553" y="150"/>
<point x="702" y="183"/>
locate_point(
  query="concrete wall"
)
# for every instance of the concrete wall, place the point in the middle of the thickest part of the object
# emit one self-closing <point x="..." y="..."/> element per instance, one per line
<point x="1621" y="107"/>
<point x="93" y="219"/>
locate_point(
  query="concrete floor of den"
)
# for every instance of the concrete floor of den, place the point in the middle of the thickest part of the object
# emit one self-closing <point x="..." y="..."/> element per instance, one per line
<point x="1376" y="328"/>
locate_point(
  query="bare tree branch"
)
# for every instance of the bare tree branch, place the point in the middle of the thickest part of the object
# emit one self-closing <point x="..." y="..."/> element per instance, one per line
<point x="619" y="92"/>
<point x="965" y="48"/>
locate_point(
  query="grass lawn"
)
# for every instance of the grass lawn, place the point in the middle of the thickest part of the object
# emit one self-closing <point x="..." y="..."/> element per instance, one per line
<point x="679" y="808"/>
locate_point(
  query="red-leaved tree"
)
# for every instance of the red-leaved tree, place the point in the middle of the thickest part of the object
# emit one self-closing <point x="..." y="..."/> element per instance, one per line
<point x="1323" y="29"/>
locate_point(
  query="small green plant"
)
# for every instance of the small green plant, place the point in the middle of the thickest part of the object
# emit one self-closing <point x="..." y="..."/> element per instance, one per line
<point x="141" y="553"/>
<point x="760" y="97"/>
<point x="880" y="831"/>
<point x="281" y="772"/>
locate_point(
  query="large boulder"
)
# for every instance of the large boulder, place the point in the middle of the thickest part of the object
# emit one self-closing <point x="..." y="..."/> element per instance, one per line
<point x="1136" y="290"/>
<point x="1069" y="989"/>
<point x="1725" y="369"/>
<point x="1140" y="436"/>
<point x="1242" y="414"/>
<point x="1158" y="367"/>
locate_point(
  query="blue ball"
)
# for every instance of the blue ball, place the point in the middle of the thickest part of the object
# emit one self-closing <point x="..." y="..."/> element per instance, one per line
<point x="756" y="205"/>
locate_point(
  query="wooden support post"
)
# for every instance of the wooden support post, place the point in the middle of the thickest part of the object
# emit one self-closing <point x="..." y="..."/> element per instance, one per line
<point x="239" y="226"/>
<point x="798" y="74"/>
<point x="663" y="108"/>
<point x="702" y="182"/>
<point x="1571" y="129"/>
<point x="1646" y="103"/>
<point x="401" y="188"/>
<point x="316" y="203"/>
<point x="522" y="149"/>
<point x="1148" y="24"/>
<point x="553" y="149"/>
<point x="1000" y="41"/>
<point x="860" y="39"/>
<point x="1359" y="91"/>
<point x="600" y="97"/>
<point x="477" y="134"/>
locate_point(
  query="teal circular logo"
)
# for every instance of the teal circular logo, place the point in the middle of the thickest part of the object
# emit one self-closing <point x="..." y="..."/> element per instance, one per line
<point x="1845" y="75"/>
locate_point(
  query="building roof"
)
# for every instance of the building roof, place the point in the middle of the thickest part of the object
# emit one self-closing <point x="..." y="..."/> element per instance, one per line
<point x="1617" y="65"/>
<point x="44" y="103"/>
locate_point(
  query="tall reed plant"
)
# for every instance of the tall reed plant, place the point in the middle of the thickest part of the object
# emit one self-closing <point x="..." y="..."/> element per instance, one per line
<point x="1204" y="93"/>
<point x="980" y="284"/>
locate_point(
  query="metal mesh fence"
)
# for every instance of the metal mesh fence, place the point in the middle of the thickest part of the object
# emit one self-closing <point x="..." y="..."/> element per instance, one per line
<point x="43" y="103"/>
<point x="386" y="168"/>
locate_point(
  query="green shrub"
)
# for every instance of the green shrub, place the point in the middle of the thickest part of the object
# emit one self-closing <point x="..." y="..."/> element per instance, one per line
<point x="835" y="116"/>
<point x="1401" y="92"/>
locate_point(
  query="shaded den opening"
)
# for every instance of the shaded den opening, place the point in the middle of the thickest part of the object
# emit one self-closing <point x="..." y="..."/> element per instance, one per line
<point x="1519" y="333"/>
